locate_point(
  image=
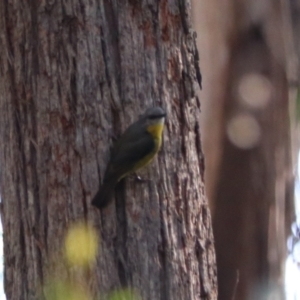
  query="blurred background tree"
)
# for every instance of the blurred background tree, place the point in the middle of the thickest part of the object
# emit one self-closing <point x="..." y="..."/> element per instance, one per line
<point x="250" y="64"/>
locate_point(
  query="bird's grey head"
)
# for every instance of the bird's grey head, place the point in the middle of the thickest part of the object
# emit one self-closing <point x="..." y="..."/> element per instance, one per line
<point x="154" y="115"/>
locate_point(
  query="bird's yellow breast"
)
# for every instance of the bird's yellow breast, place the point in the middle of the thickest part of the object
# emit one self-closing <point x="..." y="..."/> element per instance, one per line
<point x="156" y="132"/>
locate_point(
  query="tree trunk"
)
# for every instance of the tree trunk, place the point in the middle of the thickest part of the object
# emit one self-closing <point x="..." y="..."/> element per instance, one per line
<point x="73" y="76"/>
<point x="255" y="182"/>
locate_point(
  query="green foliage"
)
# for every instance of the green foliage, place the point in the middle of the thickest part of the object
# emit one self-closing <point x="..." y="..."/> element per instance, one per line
<point x="59" y="290"/>
<point x="124" y="294"/>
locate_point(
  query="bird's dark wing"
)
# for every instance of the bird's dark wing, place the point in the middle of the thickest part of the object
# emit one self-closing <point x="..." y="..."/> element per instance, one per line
<point x="132" y="134"/>
<point x="124" y="160"/>
<point x="135" y="151"/>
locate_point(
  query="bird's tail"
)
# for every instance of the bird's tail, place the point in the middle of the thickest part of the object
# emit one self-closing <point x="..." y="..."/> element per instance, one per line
<point x="105" y="193"/>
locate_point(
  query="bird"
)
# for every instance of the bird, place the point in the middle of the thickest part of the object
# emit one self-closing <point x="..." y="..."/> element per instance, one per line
<point x="135" y="149"/>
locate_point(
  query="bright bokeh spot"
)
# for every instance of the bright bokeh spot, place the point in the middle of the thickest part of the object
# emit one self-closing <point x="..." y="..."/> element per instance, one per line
<point x="255" y="90"/>
<point x="292" y="265"/>
<point x="292" y="277"/>
<point x="244" y="131"/>
<point x="81" y="244"/>
<point x="296" y="252"/>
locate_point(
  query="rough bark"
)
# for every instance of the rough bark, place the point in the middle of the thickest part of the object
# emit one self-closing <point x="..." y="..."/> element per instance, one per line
<point x="73" y="76"/>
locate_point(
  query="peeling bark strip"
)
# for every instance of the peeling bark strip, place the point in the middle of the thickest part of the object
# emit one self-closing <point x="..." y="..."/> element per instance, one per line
<point x="72" y="76"/>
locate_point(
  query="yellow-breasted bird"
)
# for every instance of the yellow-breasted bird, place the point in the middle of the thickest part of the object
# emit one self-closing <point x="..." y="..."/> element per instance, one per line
<point x="135" y="149"/>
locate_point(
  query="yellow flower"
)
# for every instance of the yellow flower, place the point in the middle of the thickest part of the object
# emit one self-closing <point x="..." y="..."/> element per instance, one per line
<point x="81" y="244"/>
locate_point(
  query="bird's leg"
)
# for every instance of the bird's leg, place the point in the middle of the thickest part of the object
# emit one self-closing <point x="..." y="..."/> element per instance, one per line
<point x="138" y="178"/>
